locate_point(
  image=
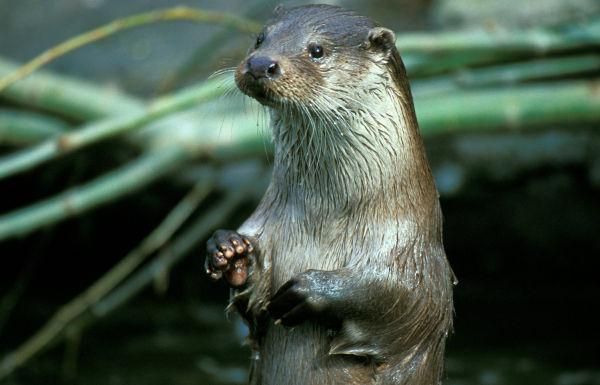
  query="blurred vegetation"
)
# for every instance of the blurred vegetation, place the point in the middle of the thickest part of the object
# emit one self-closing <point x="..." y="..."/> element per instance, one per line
<point x="467" y="81"/>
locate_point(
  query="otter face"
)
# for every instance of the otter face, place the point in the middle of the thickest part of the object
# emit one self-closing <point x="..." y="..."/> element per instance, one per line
<point x="310" y="57"/>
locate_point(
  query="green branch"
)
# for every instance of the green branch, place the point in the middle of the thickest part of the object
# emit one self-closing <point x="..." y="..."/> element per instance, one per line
<point x="66" y="96"/>
<point x="523" y="107"/>
<point x="104" y="129"/>
<point x="508" y="74"/>
<point x="19" y="128"/>
<point x="538" y="41"/>
<point x="431" y="53"/>
<point x="177" y="13"/>
<point x="102" y="190"/>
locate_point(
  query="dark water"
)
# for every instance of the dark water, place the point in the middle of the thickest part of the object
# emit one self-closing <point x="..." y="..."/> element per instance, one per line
<point x="158" y="342"/>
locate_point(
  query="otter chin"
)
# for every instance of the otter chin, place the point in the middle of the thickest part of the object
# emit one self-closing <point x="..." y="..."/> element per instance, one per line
<point x="340" y="272"/>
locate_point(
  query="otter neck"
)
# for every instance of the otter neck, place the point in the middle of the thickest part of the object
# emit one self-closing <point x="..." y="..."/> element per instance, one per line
<point x="353" y="158"/>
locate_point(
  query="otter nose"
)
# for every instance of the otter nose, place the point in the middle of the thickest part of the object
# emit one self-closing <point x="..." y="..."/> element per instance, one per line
<point x="263" y="67"/>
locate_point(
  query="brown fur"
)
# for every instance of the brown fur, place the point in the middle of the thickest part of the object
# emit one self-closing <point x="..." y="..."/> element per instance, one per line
<point x="352" y="210"/>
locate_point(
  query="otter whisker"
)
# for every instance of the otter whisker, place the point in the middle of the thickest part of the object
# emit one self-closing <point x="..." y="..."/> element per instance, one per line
<point x="222" y="71"/>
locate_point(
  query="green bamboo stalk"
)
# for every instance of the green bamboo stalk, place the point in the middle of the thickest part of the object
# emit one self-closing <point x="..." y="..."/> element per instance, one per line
<point x="539" y="41"/>
<point x="102" y="190"/>
<point x="427" y="54"/>
<point x="523" y="107"/>
<point x="509" y="74"/>
<point x="528" y="71"/>
<point x="20" y="128"/>
<point x="170" y="14"/>
<point x="422" y="65"/>
<point x="66" y="96"/>
<point x="94" y="132"/>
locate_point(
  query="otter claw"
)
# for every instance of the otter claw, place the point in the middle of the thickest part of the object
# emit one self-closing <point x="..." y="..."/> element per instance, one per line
<point x="303" y="297"/>
<point x="228" y="254"/>
<point x="215" y="275"/>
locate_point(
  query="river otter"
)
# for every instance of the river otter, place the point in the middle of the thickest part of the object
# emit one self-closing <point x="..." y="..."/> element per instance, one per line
<point x="340" y="272"/>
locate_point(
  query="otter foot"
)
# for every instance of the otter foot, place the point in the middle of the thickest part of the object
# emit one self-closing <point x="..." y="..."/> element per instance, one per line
<point x="306" y="296"/>
<point x="228" y="257"/>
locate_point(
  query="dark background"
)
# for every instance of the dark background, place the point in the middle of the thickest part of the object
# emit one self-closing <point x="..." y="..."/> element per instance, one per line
<point x="522" y="235"/>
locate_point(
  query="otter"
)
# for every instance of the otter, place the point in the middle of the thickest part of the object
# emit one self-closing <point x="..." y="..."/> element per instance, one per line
<point x="340" y="272"/>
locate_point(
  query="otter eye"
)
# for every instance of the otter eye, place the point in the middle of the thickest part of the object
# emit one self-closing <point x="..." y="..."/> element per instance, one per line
<point x="315" y="50"/>
<point x="259" y="39"/>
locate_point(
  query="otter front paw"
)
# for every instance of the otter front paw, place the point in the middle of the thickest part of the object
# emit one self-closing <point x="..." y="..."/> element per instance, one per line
<point x="306" y="296"/>
<point x="228" y="257"/>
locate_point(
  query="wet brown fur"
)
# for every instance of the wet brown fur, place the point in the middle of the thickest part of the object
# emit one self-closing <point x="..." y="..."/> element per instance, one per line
<point x="351" y="194"/>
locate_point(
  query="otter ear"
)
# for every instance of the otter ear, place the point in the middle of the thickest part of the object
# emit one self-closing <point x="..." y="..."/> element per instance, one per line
<point x="382" y="40"/>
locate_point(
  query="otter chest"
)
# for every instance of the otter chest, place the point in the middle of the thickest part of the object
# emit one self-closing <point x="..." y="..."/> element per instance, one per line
<point x="297" y="246"/>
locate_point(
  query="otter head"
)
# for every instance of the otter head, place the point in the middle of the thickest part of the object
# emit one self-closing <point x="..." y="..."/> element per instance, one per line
<point x="318" y="57"/>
